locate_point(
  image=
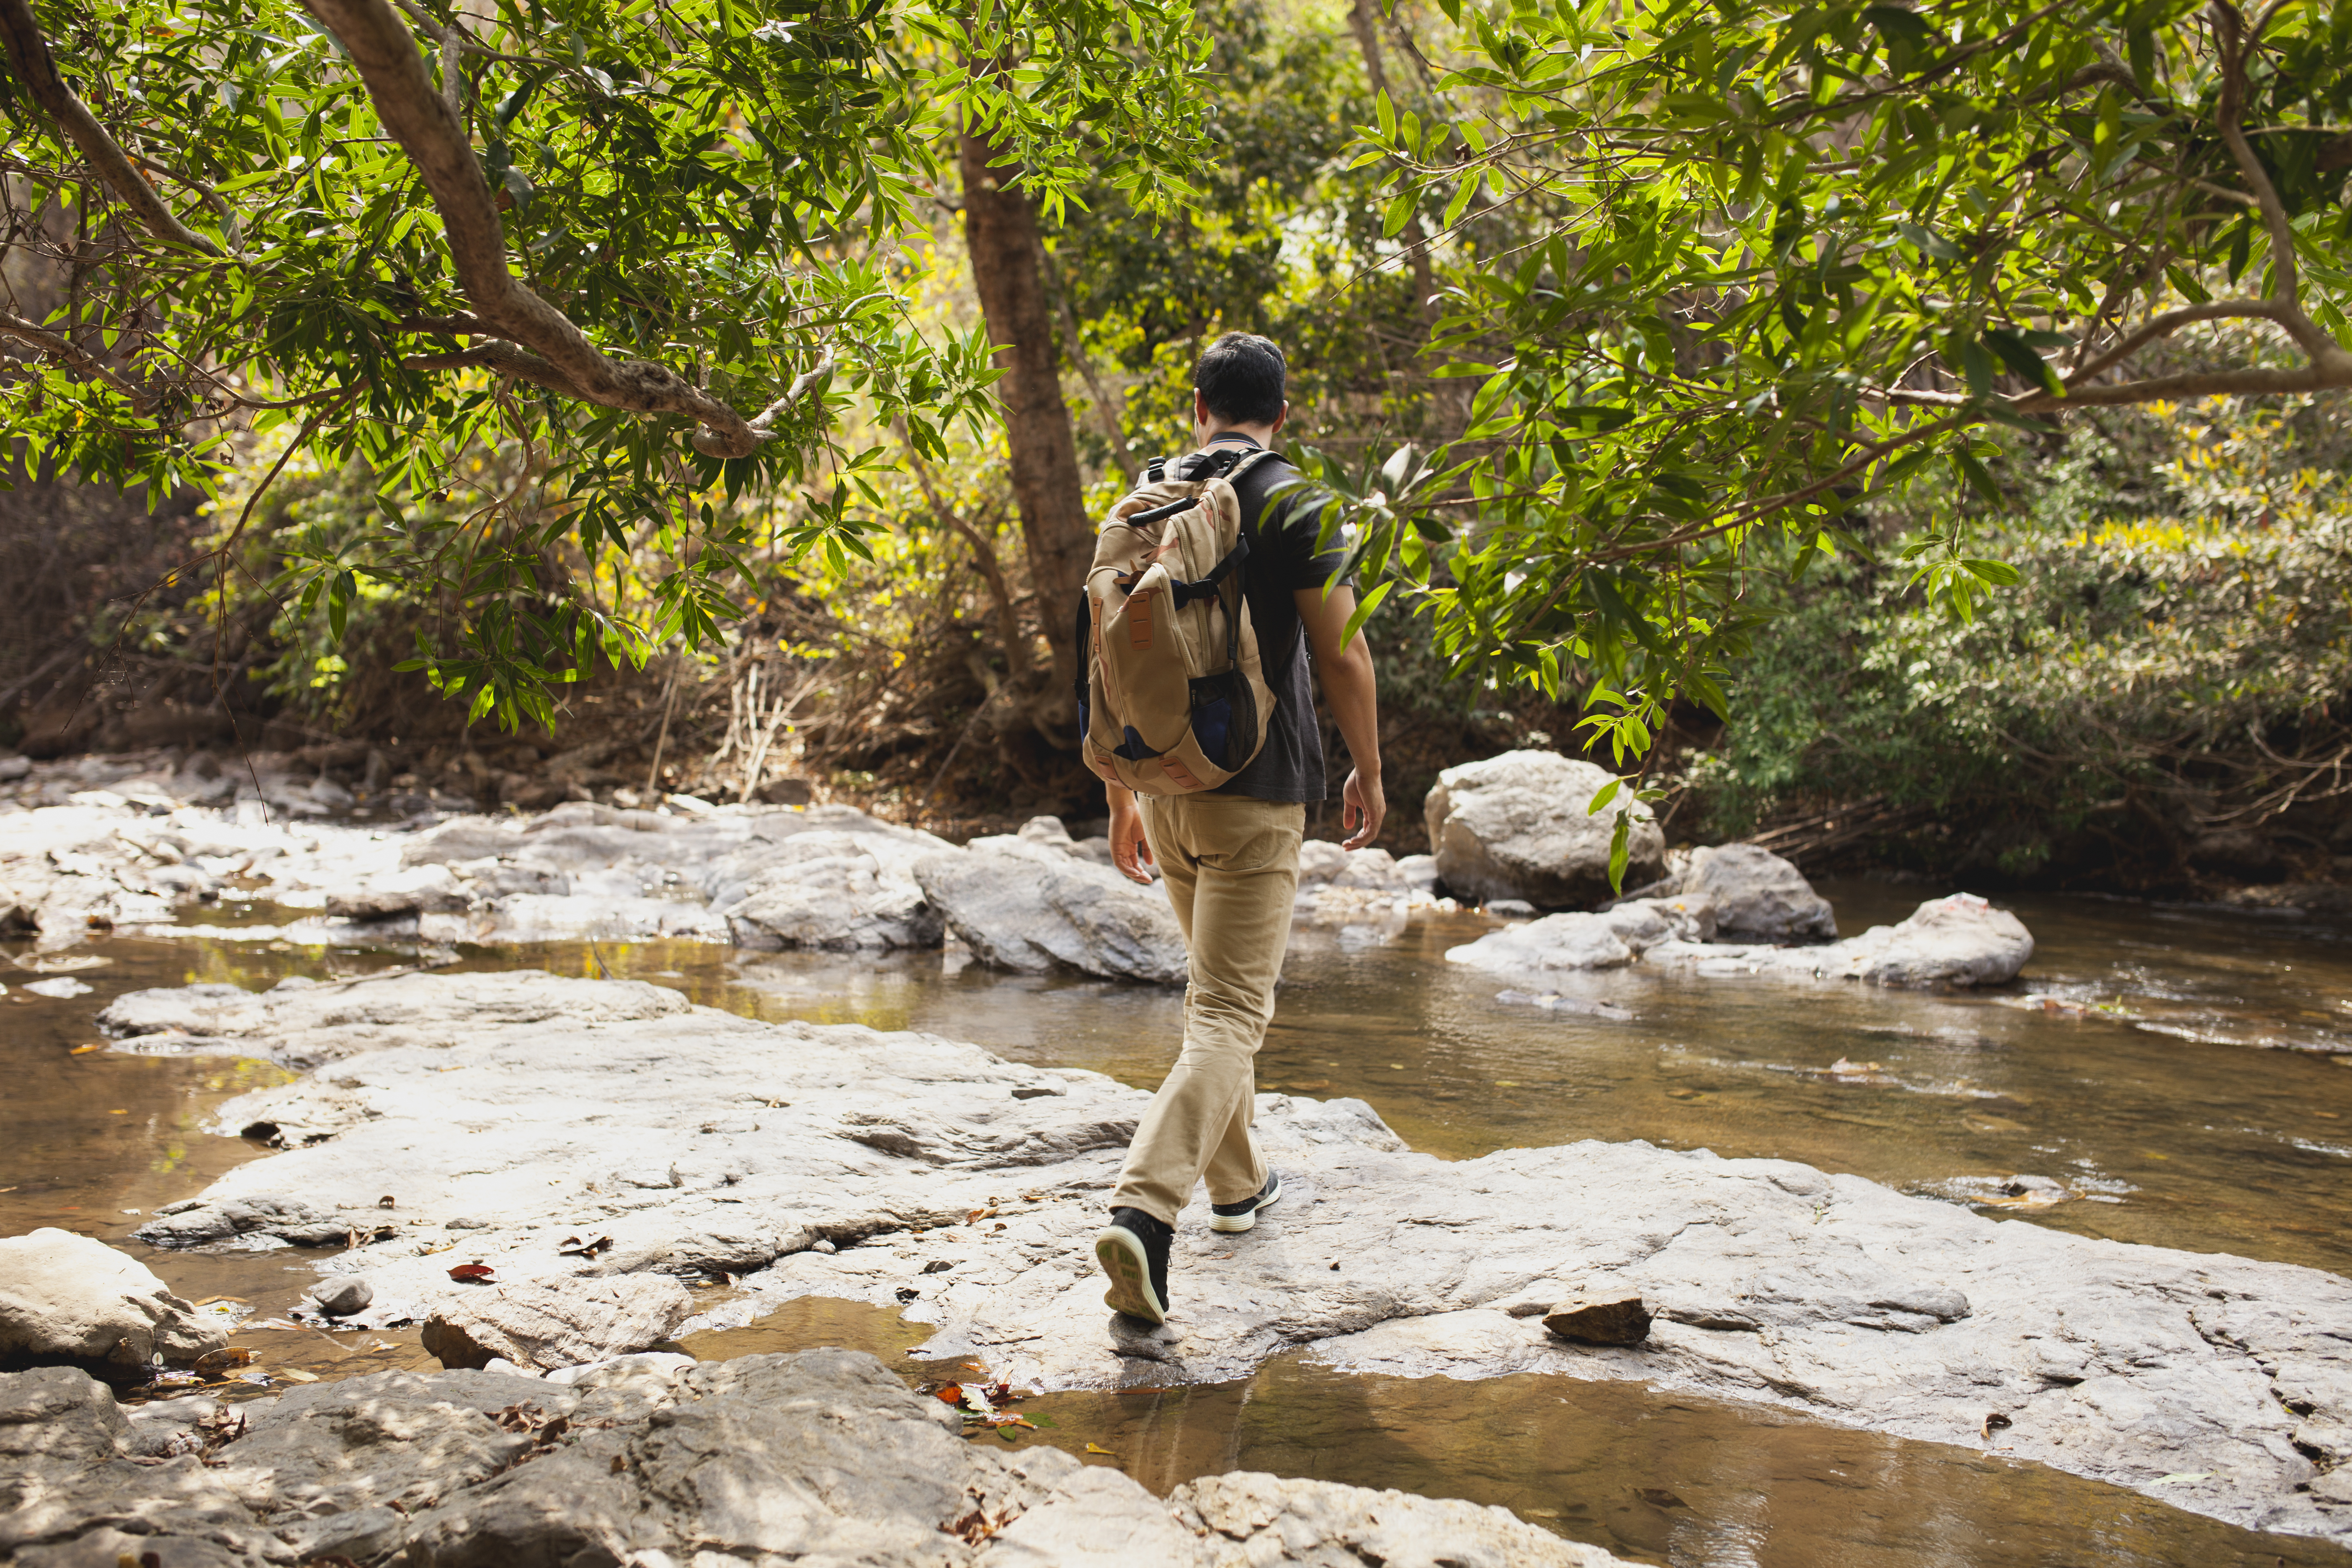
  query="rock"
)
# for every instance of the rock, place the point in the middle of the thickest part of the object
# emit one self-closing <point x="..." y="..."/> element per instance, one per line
<point x="1319" y="860"/>
<point x="1268" y="1519"/>
<point x="1600" y="1320"/>
<point x="68" y="1298"/>
<point x="1768" y="1280"/>
<point x="1956" y="941"/>
<point x="1515" y="826"/>
<point x="836" y="891"/>
<point x="553" y="1323"/>
<point x="1509" y="908"/>
<point x="1022" y="907"/>
<point x="344" y="1295"/>
<point x="821" y="1456"/>
<point x="405" y="892"/>
<point x="287" y="1219"/>
<point x="1757" y="896"/>
<point x="1573" y="940"/>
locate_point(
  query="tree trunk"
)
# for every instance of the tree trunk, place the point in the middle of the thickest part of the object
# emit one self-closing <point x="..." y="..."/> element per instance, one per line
<point x="1000" y="229"/>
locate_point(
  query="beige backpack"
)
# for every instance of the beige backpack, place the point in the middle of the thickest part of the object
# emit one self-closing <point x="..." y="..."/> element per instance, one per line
<point x="1172" y="700"/>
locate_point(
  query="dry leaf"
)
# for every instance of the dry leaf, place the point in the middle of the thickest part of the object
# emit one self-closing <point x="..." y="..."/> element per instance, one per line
<point x="85" y="1050"/>
<point x="294" y="1374"/>
<point x="472" y="1273"/>
<point x="1098" y="1448"/>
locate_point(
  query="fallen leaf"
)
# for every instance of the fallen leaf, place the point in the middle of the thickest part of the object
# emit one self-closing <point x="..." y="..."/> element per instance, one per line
<point x="471" y="1273"/>
<point x="210" y="1299"/>
<point x="386" y="1202"/>
<point x="1335" y="1266"/>
<point x="85" y="1050"/>
<point x="1098" y="1448"/>
<point x="118" y="1113"/>
<point x="978" y="1214"/>
<point x="573" y="1247"/>
<point x="1996" y="1422"/>
<point x="294" y="1374"/>
<point x="223" y="1359"/>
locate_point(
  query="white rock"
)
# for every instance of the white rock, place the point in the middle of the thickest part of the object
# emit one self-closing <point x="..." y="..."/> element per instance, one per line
<point x="1572" y="940"/>
<point x="63" y="1296"/>
<point x="555" y="1322"/>
<point x="1022" y="907"/>
<point x="1771" y="1281"/>
<point x="1956" y="941"/>
<point x="1516" y="826"/>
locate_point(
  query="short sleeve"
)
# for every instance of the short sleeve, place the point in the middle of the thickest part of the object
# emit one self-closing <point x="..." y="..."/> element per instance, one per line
<point x="1289" y="542"/>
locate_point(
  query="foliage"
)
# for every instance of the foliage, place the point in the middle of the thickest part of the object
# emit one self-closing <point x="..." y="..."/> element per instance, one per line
<point x="571" y="244"/>
<point x="1725" y="274"/>
<point x="2181" y="637"/>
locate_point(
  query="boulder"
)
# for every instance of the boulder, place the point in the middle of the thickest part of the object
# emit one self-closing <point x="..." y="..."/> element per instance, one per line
<point x="1956" y="941"/>
<point x="1757" y="896"/>
<point x="68" y="1298"/>
<point x="834" y="891"/>
<point x="820" y="1456"/>
<point x="410" y="891"/>
<point x="1616" y="1320"/>
<point x="1572" y="941"/>
<point x="285" y="1219"/>
<point x="1023" y="907"/>
<point x="549" y="1323"/>
<point x="1516" y="826"/>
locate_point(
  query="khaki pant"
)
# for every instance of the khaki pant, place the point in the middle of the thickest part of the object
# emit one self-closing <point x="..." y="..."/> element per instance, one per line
<point x="1231" y="865"/>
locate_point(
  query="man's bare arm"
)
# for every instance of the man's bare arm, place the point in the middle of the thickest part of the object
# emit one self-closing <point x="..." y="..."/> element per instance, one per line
<point x="1349" y="687"/>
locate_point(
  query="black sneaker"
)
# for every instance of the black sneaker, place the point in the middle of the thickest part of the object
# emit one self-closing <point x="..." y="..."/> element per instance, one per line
<point x="1133" y="1251"/>
<point x="1244" y="1214"/>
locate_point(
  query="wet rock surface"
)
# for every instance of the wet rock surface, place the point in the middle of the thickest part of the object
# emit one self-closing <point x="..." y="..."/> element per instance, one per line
<point x="823" y="1456"/>
<point x="923" y="1175"/>
<point x="67" y="1296"/>
<point x="1516" y="826"/>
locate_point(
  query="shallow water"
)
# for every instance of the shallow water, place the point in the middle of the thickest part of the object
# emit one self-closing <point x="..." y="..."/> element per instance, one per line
<point x="2195" y="1112"/>
<point x="1657" y="1478"/>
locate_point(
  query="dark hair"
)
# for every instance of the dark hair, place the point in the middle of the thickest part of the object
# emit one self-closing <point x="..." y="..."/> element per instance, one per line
<point x="1239" y="376"/>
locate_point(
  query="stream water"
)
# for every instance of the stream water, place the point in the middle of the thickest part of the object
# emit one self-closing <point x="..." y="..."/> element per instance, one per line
<point x="2176" y="1079"/>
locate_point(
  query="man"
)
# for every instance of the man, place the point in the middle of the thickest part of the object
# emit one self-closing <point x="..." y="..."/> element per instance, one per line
<point x="1230" y="856"/>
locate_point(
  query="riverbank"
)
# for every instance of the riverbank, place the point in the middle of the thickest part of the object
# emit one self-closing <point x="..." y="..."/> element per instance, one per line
<point x="513" y="1117"/>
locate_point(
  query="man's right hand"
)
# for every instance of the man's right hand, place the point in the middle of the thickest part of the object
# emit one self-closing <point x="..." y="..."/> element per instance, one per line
<point x="1130" y="849"/>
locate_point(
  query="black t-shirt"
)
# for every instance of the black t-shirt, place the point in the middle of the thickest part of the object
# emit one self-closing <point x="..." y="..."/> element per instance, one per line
<point x="1282" y="559"/>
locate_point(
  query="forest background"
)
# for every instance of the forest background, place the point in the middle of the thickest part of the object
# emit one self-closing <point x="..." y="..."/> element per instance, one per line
<point x="2148" y="704"/>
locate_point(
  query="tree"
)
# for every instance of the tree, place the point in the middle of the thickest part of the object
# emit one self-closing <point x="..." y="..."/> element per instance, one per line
<point x="640" y="250"/>
<point x="1728" y="274"/>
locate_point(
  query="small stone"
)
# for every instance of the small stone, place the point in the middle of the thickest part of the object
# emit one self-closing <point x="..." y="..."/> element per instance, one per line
<point x="341" y="1298"/>
<point x="1600" y="1320"/>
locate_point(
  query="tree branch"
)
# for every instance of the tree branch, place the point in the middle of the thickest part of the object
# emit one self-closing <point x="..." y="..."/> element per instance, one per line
<point x="385" y="53"/>
<point x="2228" y="30"/>
<point x="57" y="346"/>
<point x="32" y="64"/>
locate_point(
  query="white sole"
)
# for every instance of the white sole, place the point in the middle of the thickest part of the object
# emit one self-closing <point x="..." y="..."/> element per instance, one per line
<point x="1121" y="1253"/>
<point x="1235" y="1224"/>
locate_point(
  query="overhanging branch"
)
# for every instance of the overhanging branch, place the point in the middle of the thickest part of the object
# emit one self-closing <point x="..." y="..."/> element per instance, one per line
<point x="36" y="68"/>
<point x="556" y="354"/>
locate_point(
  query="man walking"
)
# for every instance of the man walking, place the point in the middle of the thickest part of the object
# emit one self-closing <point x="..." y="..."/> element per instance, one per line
<point x="1230" y="856"/>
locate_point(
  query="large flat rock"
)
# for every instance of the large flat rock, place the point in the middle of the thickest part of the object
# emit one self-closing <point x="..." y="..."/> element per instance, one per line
<point x="823" y="1457"/>
<point x="910" y="1171"/>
